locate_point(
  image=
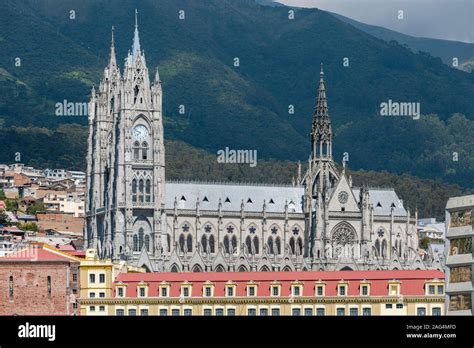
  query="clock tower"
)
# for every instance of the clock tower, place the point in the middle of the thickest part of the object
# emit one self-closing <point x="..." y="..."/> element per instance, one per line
<point x="126" y="160"/>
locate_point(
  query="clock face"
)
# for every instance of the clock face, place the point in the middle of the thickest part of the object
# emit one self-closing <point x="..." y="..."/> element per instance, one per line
<point x="140" y="132"/>
<point x="342" y="197"/>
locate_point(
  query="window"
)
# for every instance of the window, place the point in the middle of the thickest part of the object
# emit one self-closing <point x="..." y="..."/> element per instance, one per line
<point x="208" y="291"/>
<point x="185" y="291"/>
<point x="436" y="311"/>
<point x="142" y="292"/>
<point x="101" y="278"/>
<point x="144" y="312"/>
<point x="207" y="312"/>
<point x="341" y="312"/>
<point x="252" y="312"/>
<point x="319" y="290"/>
<point x="132" y="312"/>
<point x="102" y="294"/>
<point x="175" y="312"/>
<point x="74" y="277"/>
<point x="49" y="285"/>
<point x="353" y="311"/>
<point x="91" y="278"/>
<point x="163" y="312"/>
<point x="431" y="289"/>
<point x="92" y="309"/>
<point x="251" y="290"/>
<point x="394" y="290"/>
<point x="275" y="290"/>
<point x="120" y="312"/>
<point x="120" y="292"/>
<point x="230" y="291"/>
<point x="219" y="312"/>
<point x="275" y="312"/>
<point x="264" y="312"/>
<point x="231" y="312"/>
<point x="342" y="290"/>
<point x="365" y="290"/>
<point x="308" y="311"/>
<point x="296" y="312"/>
<point x="102" y="309"/>
<point x="388" y="306"/>
<point x="320" y="311"/>
<point x="296" y="290"/>
<point x="92" y="295"/>
<point x="421" y="311"/>
<point x="164" y="292"/>
<point x="366" y="311"/>
<point x="399" y="305"/>
<point x="440" y="290"/>
<point x="187" y="312"/>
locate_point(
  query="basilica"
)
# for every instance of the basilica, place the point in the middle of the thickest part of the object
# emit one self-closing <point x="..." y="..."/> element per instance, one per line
<point x="321" y="222"/>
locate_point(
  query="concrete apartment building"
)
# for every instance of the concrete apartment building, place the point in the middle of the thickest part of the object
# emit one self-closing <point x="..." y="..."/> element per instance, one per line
<point x="459" y="261"/>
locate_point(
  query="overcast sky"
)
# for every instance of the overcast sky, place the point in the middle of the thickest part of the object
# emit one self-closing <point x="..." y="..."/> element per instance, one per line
<point x="440" y="19"/>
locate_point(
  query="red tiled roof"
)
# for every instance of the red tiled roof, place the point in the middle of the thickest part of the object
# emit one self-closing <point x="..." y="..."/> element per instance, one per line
<point x="412" y="281"/>
<point x="34" y="254"/>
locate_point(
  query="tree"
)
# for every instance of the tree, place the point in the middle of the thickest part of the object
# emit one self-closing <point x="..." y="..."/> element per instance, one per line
<point x="32" y="209"/>
<point x="2" y="195"/>
<point x="4" y="220"/>
<point x="29" y="226"/>
<point x="424" y="243"/>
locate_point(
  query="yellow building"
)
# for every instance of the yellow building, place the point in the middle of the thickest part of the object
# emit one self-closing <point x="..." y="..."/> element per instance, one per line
<point x="97" y="281"/>
<point x="407" y="292"/>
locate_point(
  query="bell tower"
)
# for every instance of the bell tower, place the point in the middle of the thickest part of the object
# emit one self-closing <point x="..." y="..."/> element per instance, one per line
<point x="321" y="175"/>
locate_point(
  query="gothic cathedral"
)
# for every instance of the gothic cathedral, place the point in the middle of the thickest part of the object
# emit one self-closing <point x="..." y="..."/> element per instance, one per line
<point x="322" y="222"/>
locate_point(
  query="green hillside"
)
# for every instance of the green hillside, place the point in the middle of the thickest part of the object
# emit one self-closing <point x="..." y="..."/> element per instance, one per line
<point x="243" y="107"/>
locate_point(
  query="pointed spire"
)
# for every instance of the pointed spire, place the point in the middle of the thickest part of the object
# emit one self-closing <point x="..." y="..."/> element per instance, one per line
<point x="113" y="60"/>
<point x="136" y="39"/>
<point x="157" y="76"/>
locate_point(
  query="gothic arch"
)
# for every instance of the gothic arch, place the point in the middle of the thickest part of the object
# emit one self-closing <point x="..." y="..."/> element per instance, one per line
<point x="196" y="269"/>
<point x="219" y="268"/>
<point x="264" y="268"/>
<point x="287" y="269"/>
<point x="242" y="268"/>
<point x="174" y="268"/>
<point x="142" y="234"/>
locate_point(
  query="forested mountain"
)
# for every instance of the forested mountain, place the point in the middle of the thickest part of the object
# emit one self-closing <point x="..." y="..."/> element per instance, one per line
<point x="244" y="107"/>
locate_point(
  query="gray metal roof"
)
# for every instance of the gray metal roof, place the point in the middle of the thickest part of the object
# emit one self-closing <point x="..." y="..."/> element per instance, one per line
<point x="382" y="200"/>
<point x="231" y="196"/>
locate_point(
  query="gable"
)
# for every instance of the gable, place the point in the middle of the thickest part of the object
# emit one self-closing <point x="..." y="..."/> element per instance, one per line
<point x="342" y="197"/>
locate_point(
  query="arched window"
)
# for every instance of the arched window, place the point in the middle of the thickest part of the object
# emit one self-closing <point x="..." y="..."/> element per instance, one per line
<point x="226" y="245"/>
<point x="10" y="286"/>
<point x="300" y="246"/>
<point x="377" y="247"/>
<point x="234" y="244"/>
<point x="248" y="243"/>
<point x="278" y="245"/>
<point x="134" y="190"/>
<point x="135" y="242"/>
<point x="147" y="243"/>
<point x="141" y="234"/>
<point x="140" y="191"/>
<point x="189" y="243"/>
<point x="174" y="268"/>
<point x="256" y="244"/>
<point x="49" y="285"/>
<point x="136" y="150"/>
<point x="181" y="242"/>
<point x="168" y="242"/>
<point x="384" y="248"/>
<point x="144" y="150"/>
<point x="135" y="93"/>
<point x="148" y="191"/>
<point x="270" y="245"/>
<point x="212" y="243"/>
<point x="204" y="243"/>
<point x="292" y="245"/>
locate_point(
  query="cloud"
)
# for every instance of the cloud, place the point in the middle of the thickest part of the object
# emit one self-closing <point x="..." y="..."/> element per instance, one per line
<point x="440" y="19"/>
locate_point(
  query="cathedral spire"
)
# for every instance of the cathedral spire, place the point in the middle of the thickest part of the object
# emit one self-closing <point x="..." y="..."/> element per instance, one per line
<point x="136" y="39"/>
<point x="113" y="60"/>
<point x="321" y="131"/>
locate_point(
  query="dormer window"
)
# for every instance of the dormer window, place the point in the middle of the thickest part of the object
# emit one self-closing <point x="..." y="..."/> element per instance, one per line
<point x="379" y="205"/>
<point x="249" y="201"/>
<point x="271" y="201"/>
<point x="205" y="199"/>
<point x="183" y="198"/>
<point x="227" y="200"/>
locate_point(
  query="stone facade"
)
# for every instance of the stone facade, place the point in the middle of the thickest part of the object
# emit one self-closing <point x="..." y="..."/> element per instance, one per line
<point x="322" y="222"/>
